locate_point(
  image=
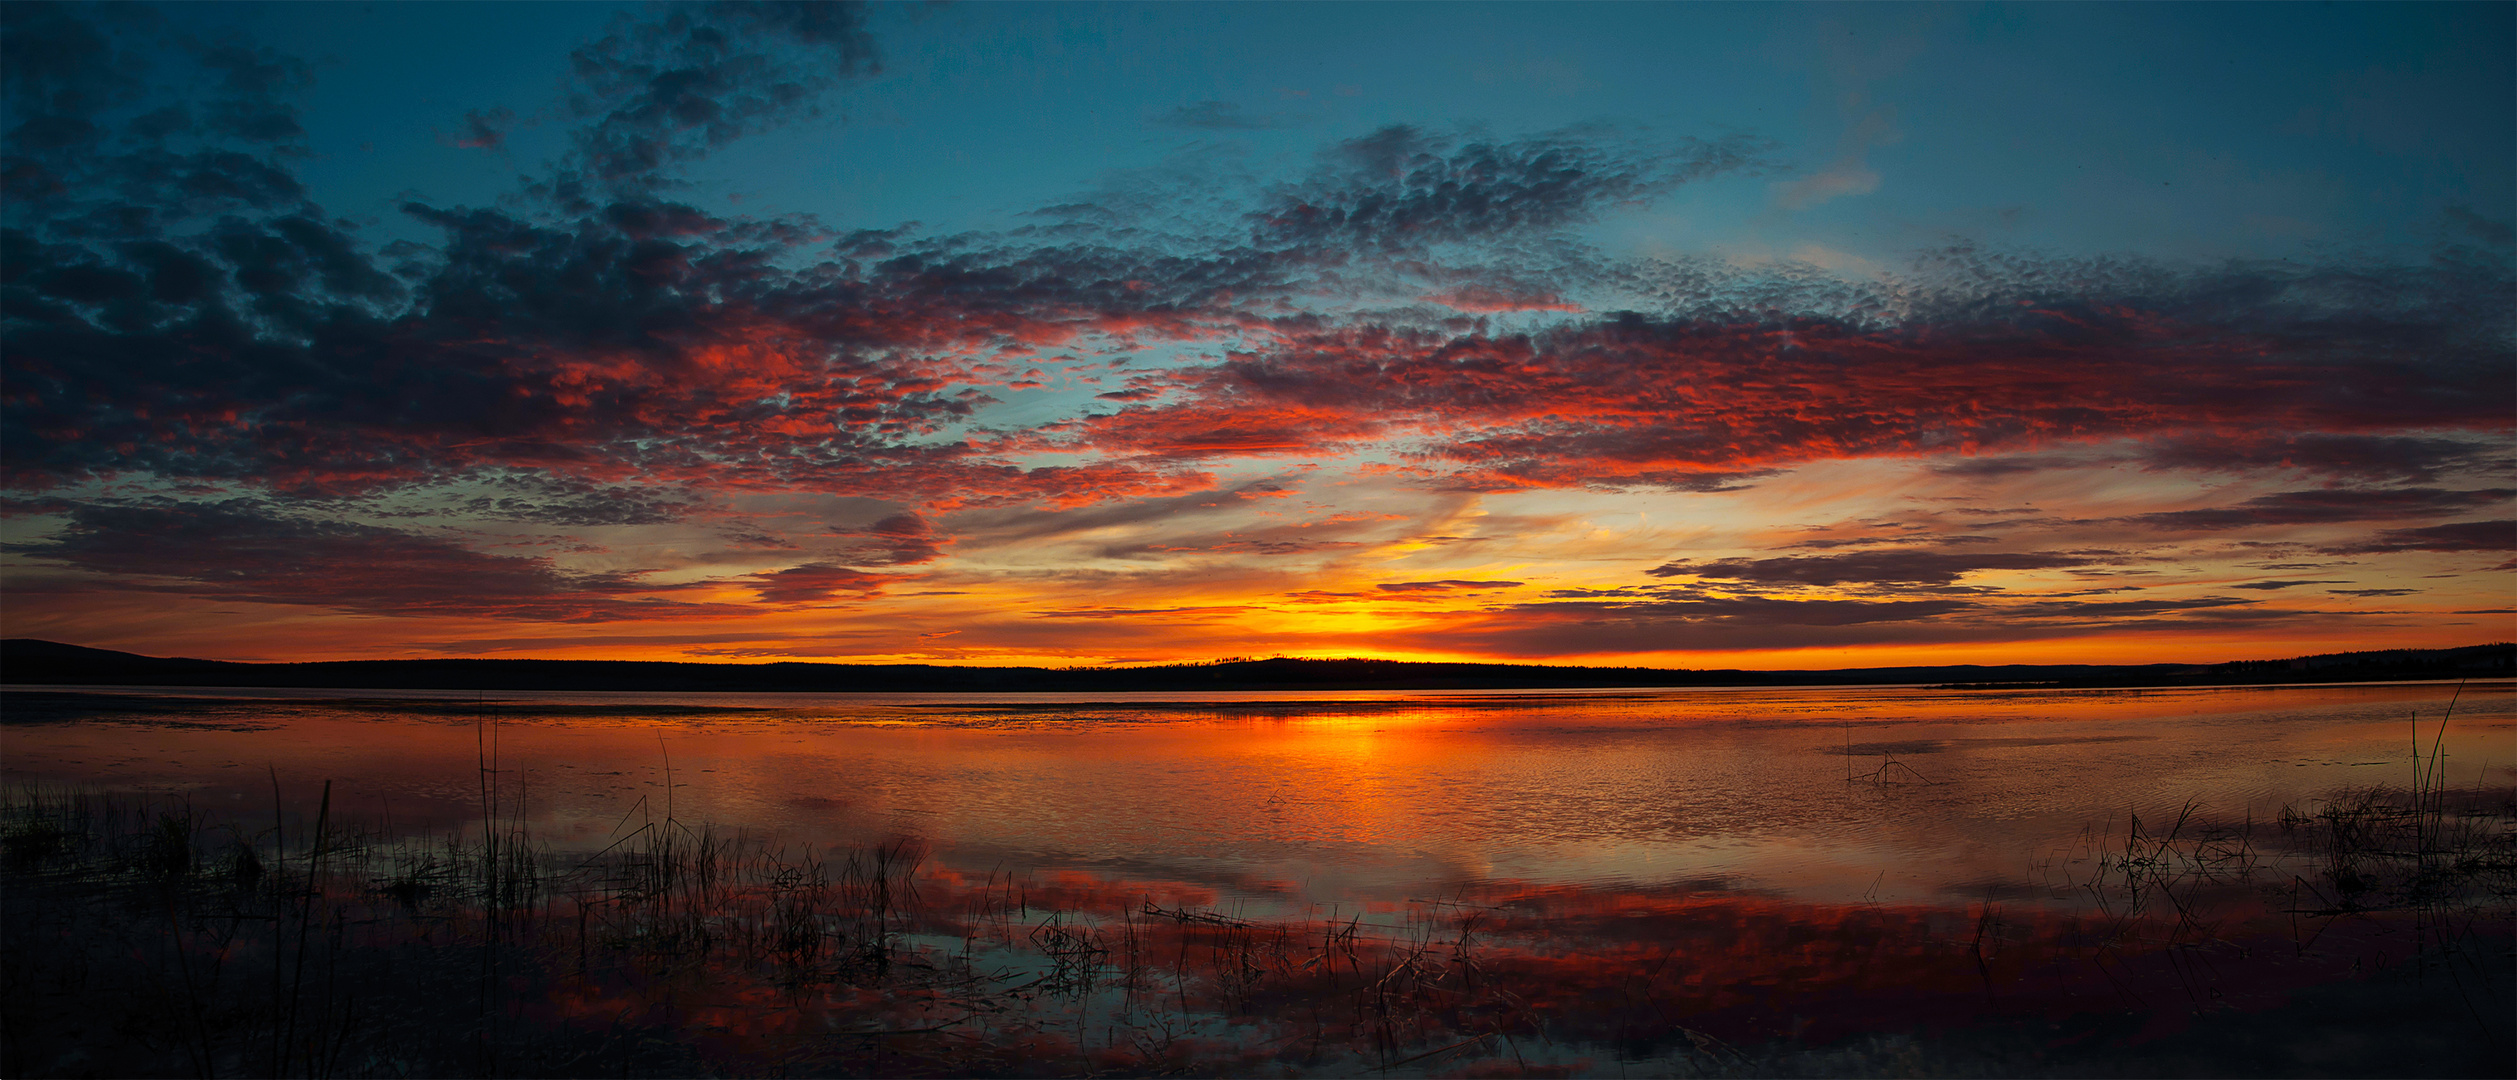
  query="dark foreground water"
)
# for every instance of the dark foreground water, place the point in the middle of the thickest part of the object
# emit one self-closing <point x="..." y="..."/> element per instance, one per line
<point x="1655" y="881"/>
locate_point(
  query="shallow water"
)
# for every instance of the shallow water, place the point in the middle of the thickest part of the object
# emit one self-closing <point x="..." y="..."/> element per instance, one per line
<point x="1268" y="803"/>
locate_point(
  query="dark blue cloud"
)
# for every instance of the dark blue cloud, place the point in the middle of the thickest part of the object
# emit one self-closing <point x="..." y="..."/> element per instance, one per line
<point x="657" y="93"/>
<point x="2331" y="505"/>
<point x="1405" y="189"/>
<point x="2490" y="536"/>
<point x="248" y="550"/>
<point x="1866" y="567"/>
<point x="176" y="306"/>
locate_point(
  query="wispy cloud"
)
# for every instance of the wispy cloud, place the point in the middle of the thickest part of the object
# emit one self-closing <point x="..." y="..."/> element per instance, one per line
<point x="2332" y="505"/>
<point x="218" y="388"/>
<point x="1213" y="115"/>
<point x="246" y="550"/>
<point x="1867" y="567"/>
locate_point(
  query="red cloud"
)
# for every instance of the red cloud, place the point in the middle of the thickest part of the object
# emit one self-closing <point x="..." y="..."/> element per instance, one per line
<point x="1226" y="429"/>
<point x="819" y="581"/>
<point x="1480" y="299"/>
<point x="1696" y="403"/>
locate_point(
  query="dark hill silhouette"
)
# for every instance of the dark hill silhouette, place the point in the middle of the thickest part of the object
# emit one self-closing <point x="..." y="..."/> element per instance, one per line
<point x="34" y="661"/>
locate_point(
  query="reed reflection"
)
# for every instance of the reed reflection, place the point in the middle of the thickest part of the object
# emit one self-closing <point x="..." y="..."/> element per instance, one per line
<point x="680" y="948"/>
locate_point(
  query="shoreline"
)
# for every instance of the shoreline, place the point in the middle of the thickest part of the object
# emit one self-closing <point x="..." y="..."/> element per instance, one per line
<point x="31" y="662"/>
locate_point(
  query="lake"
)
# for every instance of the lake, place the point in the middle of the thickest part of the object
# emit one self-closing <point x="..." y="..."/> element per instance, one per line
<point x="1319" y="797"/>
<point x="1939" y="811"/>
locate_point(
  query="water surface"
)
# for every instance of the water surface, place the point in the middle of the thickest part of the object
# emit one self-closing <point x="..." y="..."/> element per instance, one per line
<point x="1268" y="801"/>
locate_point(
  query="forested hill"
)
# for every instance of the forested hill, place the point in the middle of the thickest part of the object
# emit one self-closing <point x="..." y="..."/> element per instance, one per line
<point x="28" y="660"/>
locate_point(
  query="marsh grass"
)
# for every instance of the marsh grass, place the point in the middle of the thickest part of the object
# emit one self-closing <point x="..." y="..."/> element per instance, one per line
<point x="144" y="938"/>
<point x="2439" y="859"/>
<point x="2417" y="881"/>
<point x="2445" y="853"/>
<point x="338" y="950"/>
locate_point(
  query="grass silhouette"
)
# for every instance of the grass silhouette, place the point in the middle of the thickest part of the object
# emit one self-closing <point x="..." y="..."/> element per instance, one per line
<point x="143" y="937"/>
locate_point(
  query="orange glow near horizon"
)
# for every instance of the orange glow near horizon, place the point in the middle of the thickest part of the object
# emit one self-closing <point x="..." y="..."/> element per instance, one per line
<point x="1032" y="393"/>
<point x="274" y="634"/>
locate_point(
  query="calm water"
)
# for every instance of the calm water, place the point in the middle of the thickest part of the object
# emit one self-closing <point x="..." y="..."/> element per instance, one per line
<point x="1269" y="801"/>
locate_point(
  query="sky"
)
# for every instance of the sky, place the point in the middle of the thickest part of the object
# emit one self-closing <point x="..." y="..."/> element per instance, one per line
<point x="1754" y="336"/>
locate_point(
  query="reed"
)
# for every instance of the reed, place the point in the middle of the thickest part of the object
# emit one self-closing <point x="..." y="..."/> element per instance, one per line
<point x="2429" y="847"/>
<point x="147" y="939"/>
<point x="272" y="951"/>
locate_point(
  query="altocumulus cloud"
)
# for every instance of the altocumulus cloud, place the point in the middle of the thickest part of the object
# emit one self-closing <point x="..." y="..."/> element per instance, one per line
<point x="600" y="351"/>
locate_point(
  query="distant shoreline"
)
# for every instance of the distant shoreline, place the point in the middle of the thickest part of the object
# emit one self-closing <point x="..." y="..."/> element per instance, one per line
<point x="31" y="661"/>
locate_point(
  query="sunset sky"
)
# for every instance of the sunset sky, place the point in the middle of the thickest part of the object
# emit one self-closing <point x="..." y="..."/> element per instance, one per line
<point x="1683" y="335"/>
